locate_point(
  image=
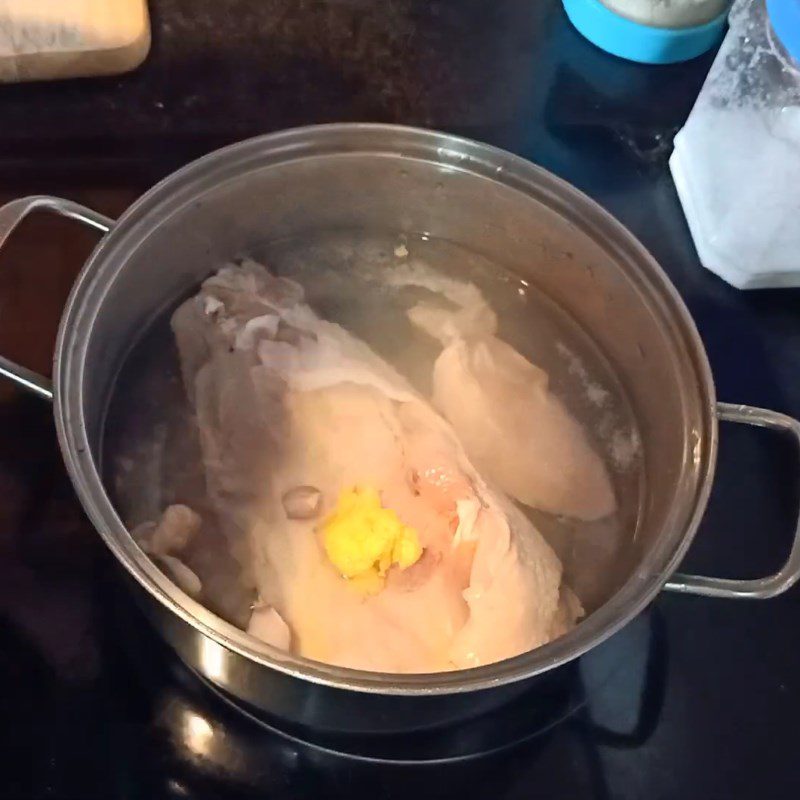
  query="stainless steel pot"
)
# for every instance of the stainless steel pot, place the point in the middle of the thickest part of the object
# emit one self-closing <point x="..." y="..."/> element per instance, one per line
<point x="394" y="179"/>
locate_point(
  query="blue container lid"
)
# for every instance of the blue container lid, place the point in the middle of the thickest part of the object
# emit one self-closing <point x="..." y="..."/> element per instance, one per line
<point x="644" y="43"/>
<point x="784" y="15"/>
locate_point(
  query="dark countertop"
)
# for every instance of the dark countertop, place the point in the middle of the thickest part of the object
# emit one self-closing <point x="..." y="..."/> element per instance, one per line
<point x="219" y="72"/>
<point x="92" y="706"/>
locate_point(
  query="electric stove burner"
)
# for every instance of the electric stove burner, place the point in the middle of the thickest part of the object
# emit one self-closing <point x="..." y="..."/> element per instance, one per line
<point x="530" y="714"/>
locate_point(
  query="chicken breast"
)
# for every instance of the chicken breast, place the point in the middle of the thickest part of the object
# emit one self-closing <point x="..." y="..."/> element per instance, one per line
<point x="516" y="431"/>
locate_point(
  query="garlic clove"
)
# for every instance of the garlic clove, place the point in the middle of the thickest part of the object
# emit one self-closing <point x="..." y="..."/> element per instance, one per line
<point x="302" y="502"/>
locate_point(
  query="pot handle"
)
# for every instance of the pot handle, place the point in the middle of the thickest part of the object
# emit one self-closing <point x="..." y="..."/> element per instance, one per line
<point x="11" y="215"/>
<point x="758" y="588"/>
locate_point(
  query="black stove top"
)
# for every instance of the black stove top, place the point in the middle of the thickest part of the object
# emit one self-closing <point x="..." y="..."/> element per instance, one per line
<point x="695" y="699"/>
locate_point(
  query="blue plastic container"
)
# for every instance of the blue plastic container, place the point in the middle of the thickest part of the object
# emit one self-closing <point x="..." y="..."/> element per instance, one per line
<point x="643" y="43"/>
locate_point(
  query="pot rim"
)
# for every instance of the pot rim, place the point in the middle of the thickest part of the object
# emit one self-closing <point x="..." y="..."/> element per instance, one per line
<point x="446" y="152"/>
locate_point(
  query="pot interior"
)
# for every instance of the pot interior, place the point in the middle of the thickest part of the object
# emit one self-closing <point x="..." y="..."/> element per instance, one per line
<point x="573" y="291"/>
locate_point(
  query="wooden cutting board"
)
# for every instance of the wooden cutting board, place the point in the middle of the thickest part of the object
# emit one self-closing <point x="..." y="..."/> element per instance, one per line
<point x="46" y="39"/>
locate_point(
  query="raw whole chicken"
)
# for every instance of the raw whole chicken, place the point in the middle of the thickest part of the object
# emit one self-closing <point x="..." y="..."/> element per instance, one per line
<point x="373" y="541"/>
